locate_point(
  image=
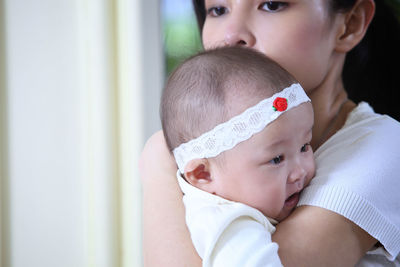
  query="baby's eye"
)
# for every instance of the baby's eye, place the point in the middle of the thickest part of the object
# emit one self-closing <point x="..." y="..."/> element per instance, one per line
<point x="273" y="6"/>
<point x="276" y="160"/>
<point x="217" y="11"/>
<point x="305" y="147"/>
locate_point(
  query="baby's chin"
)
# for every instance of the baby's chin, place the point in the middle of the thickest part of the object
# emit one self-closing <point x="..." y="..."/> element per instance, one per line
<point x="283" y="215"/>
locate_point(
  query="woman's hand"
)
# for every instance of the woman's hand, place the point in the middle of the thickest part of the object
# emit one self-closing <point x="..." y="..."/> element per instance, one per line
<point x="166" y="239"/>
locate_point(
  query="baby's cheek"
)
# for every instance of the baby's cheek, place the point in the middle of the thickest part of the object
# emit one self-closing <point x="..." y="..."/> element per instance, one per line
<point x="311" y="169"/>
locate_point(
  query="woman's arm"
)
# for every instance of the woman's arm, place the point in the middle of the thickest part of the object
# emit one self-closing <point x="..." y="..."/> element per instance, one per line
<point x="313" y="236"/>
<point x="166" y="239"/>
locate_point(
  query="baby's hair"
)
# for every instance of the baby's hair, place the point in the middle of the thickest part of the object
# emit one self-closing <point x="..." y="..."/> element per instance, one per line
<point x="204" y="90"/>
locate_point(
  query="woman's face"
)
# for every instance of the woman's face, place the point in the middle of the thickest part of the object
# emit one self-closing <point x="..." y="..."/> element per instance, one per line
<point x="298" y="34"/>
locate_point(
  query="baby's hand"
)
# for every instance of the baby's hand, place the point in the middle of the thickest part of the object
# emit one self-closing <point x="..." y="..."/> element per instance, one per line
<point x="156" y="162"/>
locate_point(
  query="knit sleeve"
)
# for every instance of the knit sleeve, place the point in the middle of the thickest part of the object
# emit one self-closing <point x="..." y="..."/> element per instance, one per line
<point x="358" y="176"/>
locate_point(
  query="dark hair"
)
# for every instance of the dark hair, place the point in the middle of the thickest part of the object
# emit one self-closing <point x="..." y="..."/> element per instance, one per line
<point x="370" y="72"/>
<point x="199" y="94"/>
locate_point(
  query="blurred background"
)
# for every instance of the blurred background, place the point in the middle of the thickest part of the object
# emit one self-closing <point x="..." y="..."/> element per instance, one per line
<point x="80" y="84"/>
<point x="180" y="32"/>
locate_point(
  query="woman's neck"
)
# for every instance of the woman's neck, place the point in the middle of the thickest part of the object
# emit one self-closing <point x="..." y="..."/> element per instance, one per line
<point x="331" y="106"/>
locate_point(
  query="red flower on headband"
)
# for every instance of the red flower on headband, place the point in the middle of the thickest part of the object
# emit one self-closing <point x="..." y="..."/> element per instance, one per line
<point x="280" y="104"/>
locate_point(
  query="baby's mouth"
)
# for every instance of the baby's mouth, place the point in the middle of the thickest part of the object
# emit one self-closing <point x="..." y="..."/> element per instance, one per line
<point x="292" y="201"/>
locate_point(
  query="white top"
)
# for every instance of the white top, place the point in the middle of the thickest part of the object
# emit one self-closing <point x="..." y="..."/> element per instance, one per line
<point x="227" y="233"/>
<point x="358" y="176"/>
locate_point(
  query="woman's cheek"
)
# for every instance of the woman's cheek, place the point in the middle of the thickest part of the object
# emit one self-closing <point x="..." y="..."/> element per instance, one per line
<point x="213" y="35"/>
<point x="310" y="51"/>
<point x="303" y="56"/>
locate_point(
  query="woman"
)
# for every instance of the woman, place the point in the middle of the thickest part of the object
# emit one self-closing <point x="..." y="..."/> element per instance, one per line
<point x="357" y="168"/>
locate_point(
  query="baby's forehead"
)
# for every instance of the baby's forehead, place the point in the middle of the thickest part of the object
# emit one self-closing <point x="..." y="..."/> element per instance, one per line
<point x="239" y="100"/>
<point x="242" y="90"/>
<point x="276" y="136"/>
<point x="292" y="124"/>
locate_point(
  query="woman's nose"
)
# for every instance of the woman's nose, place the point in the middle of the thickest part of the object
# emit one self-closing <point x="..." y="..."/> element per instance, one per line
<point x="239" y="34"/>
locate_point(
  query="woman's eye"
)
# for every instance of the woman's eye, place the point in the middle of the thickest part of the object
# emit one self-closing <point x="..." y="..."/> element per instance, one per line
<point x="305" y="147"/>
<point x="276" y="160"/>
<point x="273" y="6"/>
<point x="216" y="11"/>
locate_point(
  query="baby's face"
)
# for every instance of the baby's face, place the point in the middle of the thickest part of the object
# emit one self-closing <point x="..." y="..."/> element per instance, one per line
<point x="269" y="170"/>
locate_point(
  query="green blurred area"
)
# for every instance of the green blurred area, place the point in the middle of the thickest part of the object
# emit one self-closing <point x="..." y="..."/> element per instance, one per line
<point x="181" y="40"/>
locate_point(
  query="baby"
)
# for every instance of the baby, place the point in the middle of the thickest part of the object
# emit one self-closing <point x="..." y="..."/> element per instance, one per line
<point x="240" y="128"/>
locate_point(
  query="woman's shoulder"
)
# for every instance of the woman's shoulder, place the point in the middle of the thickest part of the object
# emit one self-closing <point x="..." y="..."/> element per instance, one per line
<point x="363" y="116"/>
<point x="366" y="147"/>
<point x="364" y="132"/>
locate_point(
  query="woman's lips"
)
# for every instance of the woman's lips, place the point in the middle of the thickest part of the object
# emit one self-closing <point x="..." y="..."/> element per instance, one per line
<point x="292" y="201"/>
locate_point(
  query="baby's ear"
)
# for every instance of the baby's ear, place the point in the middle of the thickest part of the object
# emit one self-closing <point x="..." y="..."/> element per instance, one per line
<point x="197" y="173"/>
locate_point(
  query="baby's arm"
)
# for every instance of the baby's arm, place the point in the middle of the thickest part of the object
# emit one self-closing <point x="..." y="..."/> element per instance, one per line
<point x="313" y="236"/>
<point x="166" y="239"/>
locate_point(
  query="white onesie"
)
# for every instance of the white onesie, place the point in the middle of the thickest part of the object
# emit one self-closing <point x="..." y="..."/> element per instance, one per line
<point x="227" y="233"/>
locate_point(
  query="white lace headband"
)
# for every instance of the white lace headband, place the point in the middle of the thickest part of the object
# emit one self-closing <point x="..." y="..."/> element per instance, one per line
<point x="239" y="128"/>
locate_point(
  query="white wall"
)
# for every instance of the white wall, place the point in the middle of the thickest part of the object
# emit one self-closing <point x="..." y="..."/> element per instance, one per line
<point x="79" y="89"/>
<point x="3" y="141"/>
